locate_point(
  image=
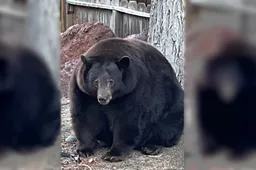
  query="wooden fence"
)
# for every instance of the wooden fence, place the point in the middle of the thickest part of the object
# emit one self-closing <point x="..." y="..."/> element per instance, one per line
<point x="124" y="17"/>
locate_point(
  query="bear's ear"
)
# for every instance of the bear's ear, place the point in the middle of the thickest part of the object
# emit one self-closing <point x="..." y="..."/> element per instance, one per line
<point x="124" y="62"/>
<point x="86" y="61"/>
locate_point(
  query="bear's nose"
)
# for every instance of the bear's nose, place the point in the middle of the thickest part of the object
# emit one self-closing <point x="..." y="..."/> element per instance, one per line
<point x="102" y="99"/>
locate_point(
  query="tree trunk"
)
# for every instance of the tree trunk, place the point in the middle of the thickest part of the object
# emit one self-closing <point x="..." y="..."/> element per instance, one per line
<point x="166" y="31"/>
<point x="44" y="32"/>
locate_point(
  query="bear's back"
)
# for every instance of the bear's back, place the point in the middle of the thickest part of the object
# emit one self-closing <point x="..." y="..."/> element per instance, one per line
<point x="142" y="53"/>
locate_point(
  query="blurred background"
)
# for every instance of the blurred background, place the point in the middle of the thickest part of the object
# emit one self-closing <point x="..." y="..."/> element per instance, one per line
<point x="34" y="24"/>
<point x="211" y="28"/>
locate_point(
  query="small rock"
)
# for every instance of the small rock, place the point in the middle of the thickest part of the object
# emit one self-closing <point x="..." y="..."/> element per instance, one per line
<point x="70" y="139"/>
<point x="91" y="160"/>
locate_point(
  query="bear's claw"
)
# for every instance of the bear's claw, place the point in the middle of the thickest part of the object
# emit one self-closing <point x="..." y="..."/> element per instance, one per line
<point x="112" y="158"/>
<point x="84" y="152"/>
<point x="151" y="150"/>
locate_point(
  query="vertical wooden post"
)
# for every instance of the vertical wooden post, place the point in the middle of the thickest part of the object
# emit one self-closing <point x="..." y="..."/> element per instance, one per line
<point x="69" y="15"/>
<point x="115" y="18"/>
<point x="63" y="15"/>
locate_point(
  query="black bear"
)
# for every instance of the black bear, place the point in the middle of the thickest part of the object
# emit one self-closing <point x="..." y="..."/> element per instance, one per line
<point x="29" y="101"/>
<point x="226" y="100"/>
<point x="125" y="94"/>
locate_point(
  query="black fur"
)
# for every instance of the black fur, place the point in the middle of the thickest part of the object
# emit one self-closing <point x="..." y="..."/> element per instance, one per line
<point x="229" y="125"/>
<point x="29" y="101"/>
<point x="147" y="108"/>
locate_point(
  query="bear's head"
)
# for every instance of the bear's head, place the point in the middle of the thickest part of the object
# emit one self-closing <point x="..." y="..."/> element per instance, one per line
<point x="104" y="78"/>
<point x="232" y="71"/>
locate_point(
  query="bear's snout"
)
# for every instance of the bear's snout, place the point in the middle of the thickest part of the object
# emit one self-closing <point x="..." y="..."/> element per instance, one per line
<point x="104" y="100"/>
<point x="104" y="96"/>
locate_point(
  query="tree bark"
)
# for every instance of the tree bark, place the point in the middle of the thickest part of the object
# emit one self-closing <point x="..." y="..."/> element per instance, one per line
<point x="166" y="32"/>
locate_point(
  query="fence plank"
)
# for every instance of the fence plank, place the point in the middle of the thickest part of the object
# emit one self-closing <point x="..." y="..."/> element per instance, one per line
<point x="125" y="26"/>
<point x="102" y="2"/>
<point x="124" y="3"/>
<point x="69" y="15"/>
<point x="133" y="5"/>
<point x="63" y="15"/>
<point x="116" y="2"/>
<point x="142" y="7"/>
<point x="114" y="21"/>
<point x="108" y="7"/>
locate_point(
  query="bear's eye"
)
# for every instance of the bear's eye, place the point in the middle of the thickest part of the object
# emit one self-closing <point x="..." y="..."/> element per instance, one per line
<point x="111" y="82"/>
<point x="96" y="82"/>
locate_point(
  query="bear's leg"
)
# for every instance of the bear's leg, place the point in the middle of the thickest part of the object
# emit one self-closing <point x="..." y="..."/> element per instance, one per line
<point x="125" y="137"/>
<point x="147" y="146"/>
<point x="87" y="126"/>
<point x="86" y="140"/>
<point x="165" y="133"/>
<point x="158" y="139"/>
<point x="104" y="138"/>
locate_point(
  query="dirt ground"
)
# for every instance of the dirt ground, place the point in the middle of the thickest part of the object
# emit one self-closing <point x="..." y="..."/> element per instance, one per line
<point x="170" y="159"/>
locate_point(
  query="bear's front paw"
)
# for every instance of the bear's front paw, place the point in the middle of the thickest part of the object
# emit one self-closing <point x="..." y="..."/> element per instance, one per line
<point x="84" y="151"/>
<point x="111" y="156"/>
<point x="151" y="150"/>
